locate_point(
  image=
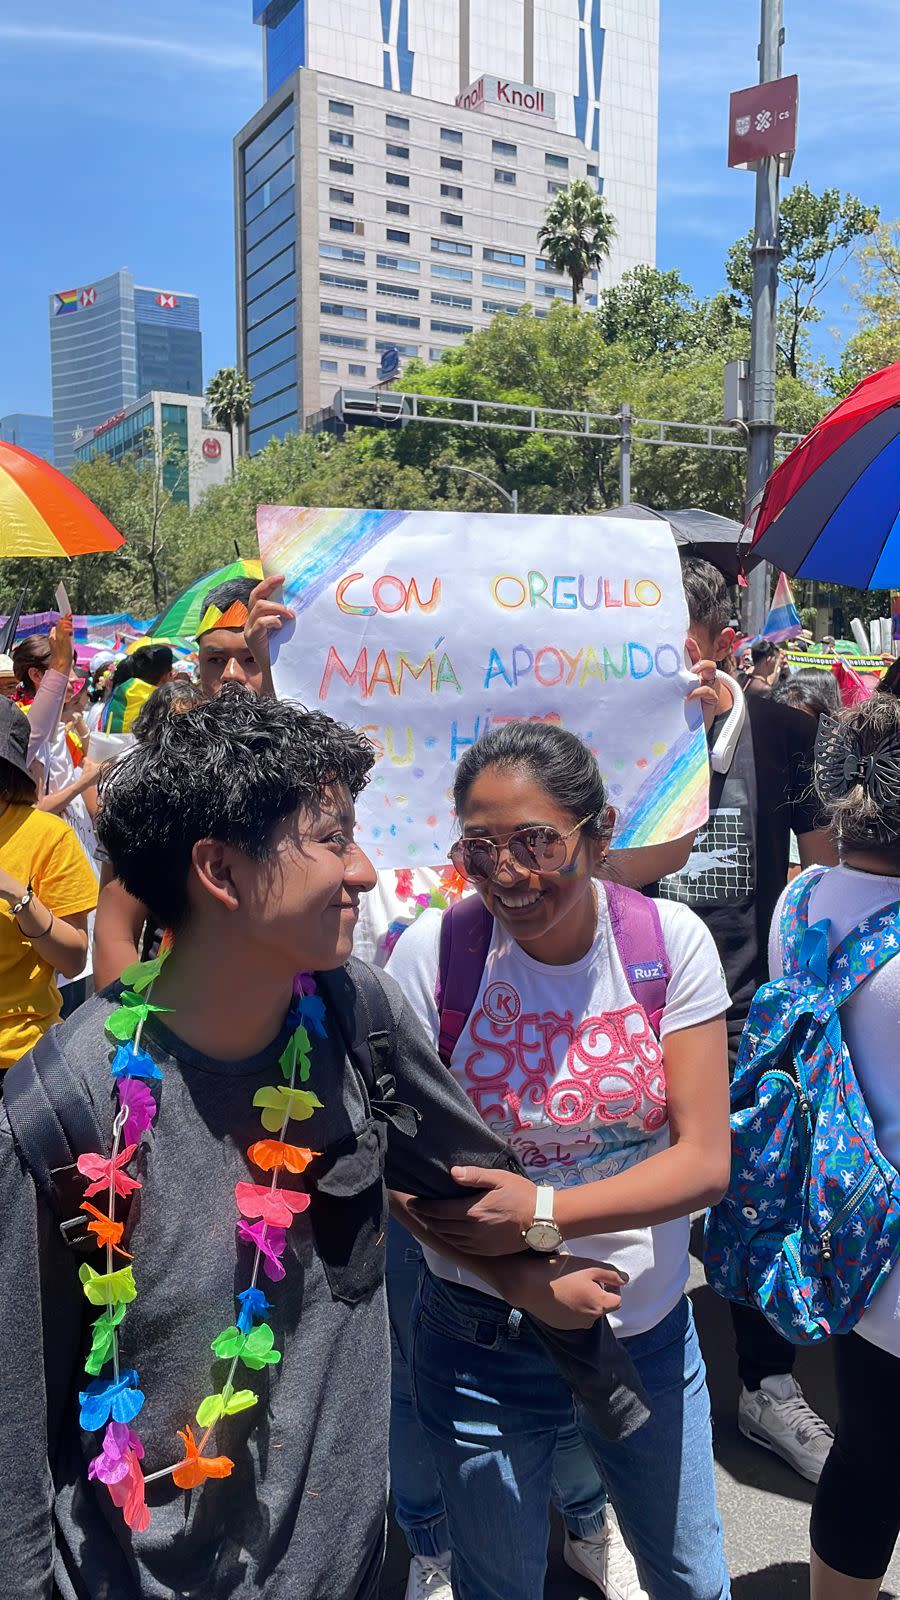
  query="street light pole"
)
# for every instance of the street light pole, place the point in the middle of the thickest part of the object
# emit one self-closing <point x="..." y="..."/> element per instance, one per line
<point x="512" y="495"/>
<point x="763" y="336"/>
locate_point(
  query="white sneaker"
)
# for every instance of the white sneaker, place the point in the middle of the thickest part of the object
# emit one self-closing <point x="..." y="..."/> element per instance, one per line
<point x="776" y="1416"/>
<point x="429" y="1578"/>
<point x="605" y="1560"/>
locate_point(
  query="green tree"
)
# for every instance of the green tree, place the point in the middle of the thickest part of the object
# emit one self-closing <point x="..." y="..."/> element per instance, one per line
<point x="817" y="234"/>
<point x="577" y="232"/>
<point x="876" y="343"/>
<point x="228" y="396"/>
<point x="654" y="313"/>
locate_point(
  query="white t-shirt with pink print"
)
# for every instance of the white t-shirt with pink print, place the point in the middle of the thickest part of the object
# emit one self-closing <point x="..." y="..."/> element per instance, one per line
<point x="562" y="1062"/>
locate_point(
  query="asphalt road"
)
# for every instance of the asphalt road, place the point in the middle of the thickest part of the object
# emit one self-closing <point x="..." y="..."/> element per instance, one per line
<point x="764" y="1506"/>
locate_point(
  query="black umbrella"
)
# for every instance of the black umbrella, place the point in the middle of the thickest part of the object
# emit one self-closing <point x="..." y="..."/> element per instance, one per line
<point x="717" y="539"/>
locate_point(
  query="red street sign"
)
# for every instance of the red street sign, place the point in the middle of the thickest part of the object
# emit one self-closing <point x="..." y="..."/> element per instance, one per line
<point x="763" y="122"/>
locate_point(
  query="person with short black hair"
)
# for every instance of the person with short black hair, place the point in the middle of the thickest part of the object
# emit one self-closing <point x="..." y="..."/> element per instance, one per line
<point x="223" y="654"/>
<point x="239" y="1350"/>
<point x="760" y="789"/>
<point x="810" y="690"/>
<point x="134" y="681"/>
<point x="765" y="669"/>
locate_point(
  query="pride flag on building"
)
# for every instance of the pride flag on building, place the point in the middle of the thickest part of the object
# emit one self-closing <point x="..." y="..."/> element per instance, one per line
<point x="783" y="620"/>
<point x="66" y="300"/>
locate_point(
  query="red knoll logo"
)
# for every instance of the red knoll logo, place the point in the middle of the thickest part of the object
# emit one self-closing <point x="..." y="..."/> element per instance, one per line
<point x="167" y="302"/>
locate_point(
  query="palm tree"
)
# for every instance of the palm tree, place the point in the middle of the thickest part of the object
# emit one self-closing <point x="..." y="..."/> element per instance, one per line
<point x="577" y="233"/>
<point x="228" y="397"/>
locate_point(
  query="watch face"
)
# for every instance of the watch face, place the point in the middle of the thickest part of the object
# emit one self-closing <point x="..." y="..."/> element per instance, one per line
<point x="543" y="1236"/>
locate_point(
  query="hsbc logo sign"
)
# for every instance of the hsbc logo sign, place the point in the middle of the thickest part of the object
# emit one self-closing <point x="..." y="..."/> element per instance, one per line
<point x="505" y="95"/>
<point x="167" y="302"/>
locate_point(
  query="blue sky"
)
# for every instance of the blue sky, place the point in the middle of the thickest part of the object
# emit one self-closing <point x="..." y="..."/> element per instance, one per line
<point x="117" y="122"/>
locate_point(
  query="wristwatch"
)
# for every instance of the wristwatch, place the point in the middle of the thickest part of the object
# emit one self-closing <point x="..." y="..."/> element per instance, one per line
<point x="544" y="1234"/>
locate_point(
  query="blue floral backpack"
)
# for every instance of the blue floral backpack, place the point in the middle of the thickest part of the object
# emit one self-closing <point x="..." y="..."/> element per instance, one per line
<point x="810" y="1225"/>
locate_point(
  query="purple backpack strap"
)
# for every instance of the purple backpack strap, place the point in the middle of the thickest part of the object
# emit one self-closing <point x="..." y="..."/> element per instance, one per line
<point x="466" y="931"/>
<point x="638" y="933"/>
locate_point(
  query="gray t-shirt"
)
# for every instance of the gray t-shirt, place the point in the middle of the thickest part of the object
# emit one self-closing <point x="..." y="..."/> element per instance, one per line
<point x="302" y="1515"/>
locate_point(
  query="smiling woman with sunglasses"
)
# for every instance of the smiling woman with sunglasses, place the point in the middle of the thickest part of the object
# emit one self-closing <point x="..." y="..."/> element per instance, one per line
<point x="617" y="1106"/>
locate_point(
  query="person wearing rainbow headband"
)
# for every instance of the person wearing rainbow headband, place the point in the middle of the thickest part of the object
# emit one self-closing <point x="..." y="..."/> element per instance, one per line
<point x="196" y="1391"/>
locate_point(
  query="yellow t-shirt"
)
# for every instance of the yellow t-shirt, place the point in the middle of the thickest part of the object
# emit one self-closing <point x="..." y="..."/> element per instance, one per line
<point x="42" y="849"/>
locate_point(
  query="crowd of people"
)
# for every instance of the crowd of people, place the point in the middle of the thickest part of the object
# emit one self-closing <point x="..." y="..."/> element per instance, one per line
<point x="529" y="1049"/>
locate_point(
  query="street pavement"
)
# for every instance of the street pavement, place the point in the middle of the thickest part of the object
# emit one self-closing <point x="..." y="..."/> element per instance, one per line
<point x="764" y="1506"/>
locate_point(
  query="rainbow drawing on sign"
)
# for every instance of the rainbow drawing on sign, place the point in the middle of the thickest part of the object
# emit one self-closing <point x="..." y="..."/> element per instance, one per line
<point x="672" y="800"/>
<point x="313" y="548"/>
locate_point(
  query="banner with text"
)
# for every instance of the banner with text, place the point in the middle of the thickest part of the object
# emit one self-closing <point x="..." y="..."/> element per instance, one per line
<point x="427" y="628"/>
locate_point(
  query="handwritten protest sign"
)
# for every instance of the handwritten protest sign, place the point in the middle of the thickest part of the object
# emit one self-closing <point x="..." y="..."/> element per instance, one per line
<point x="427" y="628"/>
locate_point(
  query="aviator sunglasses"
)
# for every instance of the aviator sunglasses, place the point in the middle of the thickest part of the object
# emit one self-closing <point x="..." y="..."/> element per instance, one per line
<point x="538" y="849"/>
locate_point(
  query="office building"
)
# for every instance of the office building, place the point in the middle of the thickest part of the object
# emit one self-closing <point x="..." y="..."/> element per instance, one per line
<point x="111" y="341"/>
<point x="389" y="193"/>
<point x="196" y="451"/>
<point x="30" y="432"/>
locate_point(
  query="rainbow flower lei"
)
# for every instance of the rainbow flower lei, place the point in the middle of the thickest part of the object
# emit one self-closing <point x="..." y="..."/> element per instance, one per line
<point x="113" y="1398"/>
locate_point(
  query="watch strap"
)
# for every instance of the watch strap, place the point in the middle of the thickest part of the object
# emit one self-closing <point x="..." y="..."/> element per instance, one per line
<point x="543" y="1203"/>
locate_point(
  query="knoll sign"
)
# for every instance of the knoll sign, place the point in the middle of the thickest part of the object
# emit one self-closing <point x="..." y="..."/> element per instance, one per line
<point x="505" y="95"/>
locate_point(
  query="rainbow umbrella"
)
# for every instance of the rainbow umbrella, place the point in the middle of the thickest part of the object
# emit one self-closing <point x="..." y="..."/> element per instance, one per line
<point x="42" y="513"/>
<point x="182" y="616"/>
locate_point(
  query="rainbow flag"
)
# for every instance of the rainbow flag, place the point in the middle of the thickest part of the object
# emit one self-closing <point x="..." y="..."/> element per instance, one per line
<point x="66" y="300"/>
<point x="125" y="704"/>
<point x="783" y="621"/>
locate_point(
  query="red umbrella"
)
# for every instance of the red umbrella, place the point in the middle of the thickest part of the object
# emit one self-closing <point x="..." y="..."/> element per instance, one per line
<point x="42" y="513"/>
<point x="832" y="509"/>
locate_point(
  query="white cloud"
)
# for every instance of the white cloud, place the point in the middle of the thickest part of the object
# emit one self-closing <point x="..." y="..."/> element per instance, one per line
<point x="215" y="57"/>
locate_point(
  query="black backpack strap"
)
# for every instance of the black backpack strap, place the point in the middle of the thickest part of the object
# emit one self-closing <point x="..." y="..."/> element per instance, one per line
<point x="53" y="1122"/>
<point x="355" y="998"/>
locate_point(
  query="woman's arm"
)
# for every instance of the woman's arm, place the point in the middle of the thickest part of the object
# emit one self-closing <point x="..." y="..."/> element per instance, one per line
<point x="86" y="780"/>
<point x="118" y="928"/>
<point x="61" y="941"/>
<point x="691" y="1173"/>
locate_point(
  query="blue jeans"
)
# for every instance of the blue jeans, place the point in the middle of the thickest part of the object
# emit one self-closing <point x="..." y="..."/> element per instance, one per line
<point x="418" y="1502"/>
<point x="493" y="1405"/>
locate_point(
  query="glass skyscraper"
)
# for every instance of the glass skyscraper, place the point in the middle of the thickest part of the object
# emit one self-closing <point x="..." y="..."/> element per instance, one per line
<point x="110" y="343"/>
<point x="30" y="432"/>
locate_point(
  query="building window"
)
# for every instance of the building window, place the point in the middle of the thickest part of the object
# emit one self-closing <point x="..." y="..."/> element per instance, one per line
<point x="397" y="319"/>
<point x="501" y="148"/>
<point x="593" y="172"/>
<point x="552" y="291"/>
<point x="400" y="180"/>
<point x="342" y="341"/>
<point x="436" y="353"/>
<point x="496" y="280"/>
<point x="541" y="265"/>
<point x="401" y="349"/>
<point x="269" y="135"/>
<point x="397" y="208"/>
<point x="503" y="175"/>
<point x="340" y="224"/>
<point x="457" y="302"/>
<point x="459" y="274"/>
<point x="451" y="247"/>
<point x="357" y="368"/>
<point x="396" y="236"/>
<point x="491" y="307"/>
<point x="342" y="252"/>
<point x="337" y="136"/>
<point x="450" y="327"/>
<point x="337" y="280"/>
<point x="451" y="163"/>
<point x="562" y="162"/>
<point x="396" y="264"/>
<point x="328" y="366"/>
<point x="506" y="258"/>
<point x="590" y="299"/>
<point x="330" y="308"/>
<point x="340" y="197"/>
<point x="401" y="151"/>
<point x="555" y="188"/>
<point x="451" y="219"/>
<point x="340" y="108"/>
<point x="393" y="121"/>
<point x="451" y="136"/>
<point x="399" y="291"/>
<point x="341" y="166"/>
